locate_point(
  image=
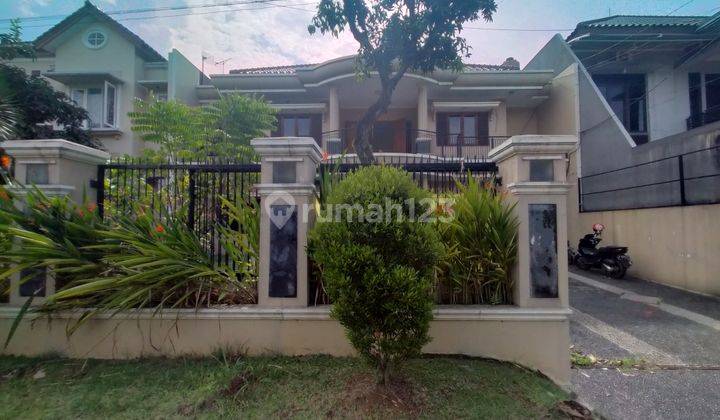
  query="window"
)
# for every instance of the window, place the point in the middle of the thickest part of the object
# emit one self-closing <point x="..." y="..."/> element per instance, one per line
<point x="295" y="126"/>
<point x="625" y="93"/>
<point x="712" y="90"/>
<point x="463" y="129"/>
<point x="704" y="90"/>
<point x="100" y="104"/>
<point x="110" y="101"/>
<point x="95" y="39"/>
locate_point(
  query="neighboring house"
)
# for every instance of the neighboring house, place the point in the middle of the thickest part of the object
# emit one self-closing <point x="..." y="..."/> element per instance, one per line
<point x="442" y="113"/>
<point x="648" y="165"/>
<point x="103" y="67"/>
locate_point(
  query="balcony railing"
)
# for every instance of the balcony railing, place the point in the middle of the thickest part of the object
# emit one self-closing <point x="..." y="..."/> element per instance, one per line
<point x="711" y="115"/>
<point x="467" y="147"/>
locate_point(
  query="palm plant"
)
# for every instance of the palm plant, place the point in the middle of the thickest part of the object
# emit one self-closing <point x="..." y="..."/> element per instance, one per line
<point x="130" y="263"/>
<point x="481" y="243"/>
<point x="8" y="119"/>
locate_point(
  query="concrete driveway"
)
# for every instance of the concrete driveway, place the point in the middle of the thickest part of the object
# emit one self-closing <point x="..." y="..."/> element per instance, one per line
<point x="676" y="332"/>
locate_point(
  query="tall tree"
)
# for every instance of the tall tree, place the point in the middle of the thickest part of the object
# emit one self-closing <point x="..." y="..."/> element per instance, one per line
<point x="396" y="36"/>
<point x="41" y="112"/>
<point x="11" y="44"/>
<point x="221" y="129"/>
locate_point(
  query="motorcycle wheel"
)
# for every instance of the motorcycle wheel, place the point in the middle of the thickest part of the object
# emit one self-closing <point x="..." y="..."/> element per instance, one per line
<point x="618" y="271"/>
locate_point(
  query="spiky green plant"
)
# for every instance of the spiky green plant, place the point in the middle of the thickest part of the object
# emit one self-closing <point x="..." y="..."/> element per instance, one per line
<point x="131" y="262"/>
<point x="481" y="243"/>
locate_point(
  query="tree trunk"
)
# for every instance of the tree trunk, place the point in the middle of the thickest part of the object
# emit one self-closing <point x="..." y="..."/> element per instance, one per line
<point x="365" y="125"/>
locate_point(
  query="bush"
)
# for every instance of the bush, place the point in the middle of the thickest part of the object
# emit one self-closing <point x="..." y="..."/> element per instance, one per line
<point x="379" y="274"/>
<point x="481" y="243"/>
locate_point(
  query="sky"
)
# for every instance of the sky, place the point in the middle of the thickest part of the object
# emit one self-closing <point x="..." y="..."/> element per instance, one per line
<point x="257" y="35"/>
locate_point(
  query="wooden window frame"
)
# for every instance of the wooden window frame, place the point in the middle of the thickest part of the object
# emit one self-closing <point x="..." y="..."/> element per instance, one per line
<point x="444" y="138"/>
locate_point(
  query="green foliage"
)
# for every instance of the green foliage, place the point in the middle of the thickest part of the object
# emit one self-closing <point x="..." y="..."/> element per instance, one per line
<point x="482" y="247"/>
<point x="130" y="262"/>
<point x="379" y="274"/>
<point x="51" y="232"/>
<point x="395" y="36"/>
<point x="12" y="45"/>
<point x="37" y="104"/>
<point x="152" y="266"/>
<point x="8" y="119"/>
<point x="222" y="129"/>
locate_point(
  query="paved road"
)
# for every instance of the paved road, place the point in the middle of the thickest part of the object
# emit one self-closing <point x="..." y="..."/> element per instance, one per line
<point x="680" y="331"/>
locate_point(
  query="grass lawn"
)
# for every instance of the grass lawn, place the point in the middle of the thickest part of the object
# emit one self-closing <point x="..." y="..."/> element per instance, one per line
<point x="262" y="387"/>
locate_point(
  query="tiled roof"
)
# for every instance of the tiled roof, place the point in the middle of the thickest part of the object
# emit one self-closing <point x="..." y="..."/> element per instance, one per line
<point x="291" y="70"/>
<point x="279" y="70"/>
<point x="633" y="21"/>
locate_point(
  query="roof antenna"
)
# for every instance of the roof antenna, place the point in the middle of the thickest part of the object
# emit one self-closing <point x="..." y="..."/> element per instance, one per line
<point x="223" y="63"/>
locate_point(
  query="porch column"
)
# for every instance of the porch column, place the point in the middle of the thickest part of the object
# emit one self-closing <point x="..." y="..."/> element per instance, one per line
<point x="287" y="192"/>
<point x="58" y="168"/>
<point x="532" y="169"/>
<point x="333" y="140"/>
<point x="423" y="140"/>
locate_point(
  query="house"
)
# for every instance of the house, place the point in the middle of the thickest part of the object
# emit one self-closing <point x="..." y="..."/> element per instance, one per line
<point x="443" y="113"/>
<point x="103" y="67"/>
<point x="648" y="96"/>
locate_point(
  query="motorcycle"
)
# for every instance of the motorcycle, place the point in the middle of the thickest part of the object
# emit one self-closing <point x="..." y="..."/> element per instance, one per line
<point x="613" y="261"/>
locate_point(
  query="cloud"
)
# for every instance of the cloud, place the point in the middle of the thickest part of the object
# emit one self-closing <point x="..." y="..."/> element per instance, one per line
<point x="254" y="38"/>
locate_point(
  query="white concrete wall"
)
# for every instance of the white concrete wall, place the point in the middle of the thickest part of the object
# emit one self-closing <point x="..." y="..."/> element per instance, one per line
<point x="183" y="77"/>
<point x="536" y="338"/>
<point x="668" y="101"/>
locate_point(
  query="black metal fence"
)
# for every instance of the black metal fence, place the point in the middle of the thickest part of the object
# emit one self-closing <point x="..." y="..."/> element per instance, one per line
<point x="187" y="190"/>
<point x="688" y="179"/>
<point x="430" y="172"/>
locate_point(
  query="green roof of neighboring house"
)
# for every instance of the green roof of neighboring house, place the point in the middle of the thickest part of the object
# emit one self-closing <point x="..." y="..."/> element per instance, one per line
<point x="624" y="20"/>
<point x="143" y="49"/>
<point x="689" y="24"/>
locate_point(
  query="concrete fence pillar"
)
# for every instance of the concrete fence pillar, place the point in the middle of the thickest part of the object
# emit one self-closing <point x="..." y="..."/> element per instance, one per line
<point x="58" y="168"/>
<point x="287" y="192"/>
<point x="532" y="169"/>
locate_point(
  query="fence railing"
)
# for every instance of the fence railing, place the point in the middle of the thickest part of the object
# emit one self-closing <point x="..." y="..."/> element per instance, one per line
<point x="447" y="146"/>
<point x="691" y="178"/>
<point x="437" y="174"/>
<point x="470" y="148"/>
<point x="186" y="190"/>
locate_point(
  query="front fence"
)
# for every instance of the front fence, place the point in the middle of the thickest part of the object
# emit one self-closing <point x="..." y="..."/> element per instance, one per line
<point x="688" y="179"/>
<point x="187" y="191"/>
<point x="433" y="173"/>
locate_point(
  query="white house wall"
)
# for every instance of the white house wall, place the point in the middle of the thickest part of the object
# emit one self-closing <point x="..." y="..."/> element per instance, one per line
<point x="116" y="57"/>
<point x="183" y="77"/>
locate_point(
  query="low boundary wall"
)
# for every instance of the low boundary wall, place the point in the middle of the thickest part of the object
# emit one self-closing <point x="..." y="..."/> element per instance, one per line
<point x="536" y="338"/>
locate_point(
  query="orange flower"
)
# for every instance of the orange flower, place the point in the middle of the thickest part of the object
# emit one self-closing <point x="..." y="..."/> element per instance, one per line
<point x="91" y="207"/>
<point x="159" y="229"/>
<point x="5" y="161"/>
<point x="325" y="156"/>
<point x="80" y="212"/>
<point x="4" y="195"/>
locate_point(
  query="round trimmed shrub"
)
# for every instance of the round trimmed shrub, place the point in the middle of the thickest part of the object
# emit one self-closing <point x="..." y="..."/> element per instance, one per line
<point x="378" y="269"/>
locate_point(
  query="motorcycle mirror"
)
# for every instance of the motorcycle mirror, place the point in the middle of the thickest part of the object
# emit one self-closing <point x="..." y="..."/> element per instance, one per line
<point x="598" y="227"/>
